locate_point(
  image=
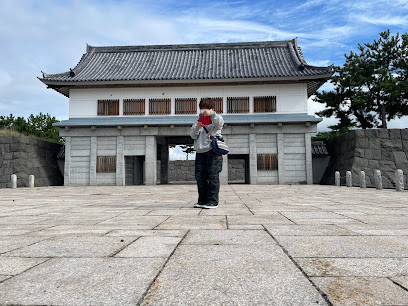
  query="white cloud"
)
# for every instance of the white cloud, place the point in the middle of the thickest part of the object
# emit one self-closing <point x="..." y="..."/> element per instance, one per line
<point x="51" y="35"/>
<point x="177" y="153"/>
<point x="385" y="20"/>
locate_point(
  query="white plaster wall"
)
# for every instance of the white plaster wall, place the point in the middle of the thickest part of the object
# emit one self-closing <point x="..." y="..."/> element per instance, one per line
<point x="291" y="98"/>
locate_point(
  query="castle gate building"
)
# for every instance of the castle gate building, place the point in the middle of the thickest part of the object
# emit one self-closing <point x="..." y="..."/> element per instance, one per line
<point x="127" y="104"/>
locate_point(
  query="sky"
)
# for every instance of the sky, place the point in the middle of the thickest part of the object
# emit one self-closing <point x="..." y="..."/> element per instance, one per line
<point x="51" y="36"/>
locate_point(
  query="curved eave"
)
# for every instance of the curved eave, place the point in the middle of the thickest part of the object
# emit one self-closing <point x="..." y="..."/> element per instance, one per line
<point x="313" y="82"/>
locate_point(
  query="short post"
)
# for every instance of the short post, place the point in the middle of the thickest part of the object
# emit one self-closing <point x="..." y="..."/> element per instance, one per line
<point x="31" y="181"/>
<point x="337" y="178"/>
<point x="362" y="180"/>
<point x="13" y="181"/>
<point x="349" y="181"/>
<point x="399" y="180"/>
<point x="378" y="179"/>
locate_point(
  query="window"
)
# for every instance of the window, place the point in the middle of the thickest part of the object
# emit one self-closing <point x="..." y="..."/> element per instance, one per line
<point x="218" y="107"/>
<point x="186" y="105"/>
<point x="265" y="104"/>
<point x="106" y="164"/>
<point x="133" y="106"/>
<point x="108" y="107"/>
<point x="238" y="105"/>
<point x="159" y="106"/>
<point x="267" y="162"/>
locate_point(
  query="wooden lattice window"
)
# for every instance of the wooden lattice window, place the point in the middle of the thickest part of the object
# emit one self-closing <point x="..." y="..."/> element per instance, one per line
<point x="186" y="105"/>
<point x="108" y="107"/>
<point x="160" y="106"/>
<point x="133" y="106"/>
<point x="218" y="105"/>
<point x="106" y="164"/>
<point x="238" y="105"/>
<point x="265" y="104"/>
<point x="267" y="161"/>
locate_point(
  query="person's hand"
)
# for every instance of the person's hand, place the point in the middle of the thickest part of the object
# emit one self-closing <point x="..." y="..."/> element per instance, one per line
<point x="200" y="125"/>
<point x="207" y="113"/>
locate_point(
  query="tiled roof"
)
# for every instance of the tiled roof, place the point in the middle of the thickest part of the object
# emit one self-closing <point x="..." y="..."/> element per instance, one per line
<point x="186" y="120"/>
<point x="269" y="59"/>
<point x="319" y="148"/>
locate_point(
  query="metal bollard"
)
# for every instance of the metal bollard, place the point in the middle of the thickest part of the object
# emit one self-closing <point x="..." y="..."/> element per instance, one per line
<point x="378" y="179"/>
<point x="31" y="181"/>
<point x="13" y="181"/>
<point x="349" y="181"/>
<point x="362" y="180"/>
<point x="337" y="178"/>
<point x="399" y="180"/>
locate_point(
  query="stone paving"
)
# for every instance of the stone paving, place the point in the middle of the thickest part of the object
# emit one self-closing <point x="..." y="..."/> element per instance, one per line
<point x="147" y="245"/>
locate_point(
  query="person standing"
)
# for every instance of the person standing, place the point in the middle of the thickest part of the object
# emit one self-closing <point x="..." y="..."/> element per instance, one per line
<point x="208" y="164"/>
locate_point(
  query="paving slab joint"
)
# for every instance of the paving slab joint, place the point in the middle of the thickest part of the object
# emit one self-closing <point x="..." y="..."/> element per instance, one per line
<point x="324" y="296"/>
<point x="144" y="295"/>
<point x="40" y="263"/>
<point x="161" y="223"/>
<point x="398" y="284"/>
<point x="122" y="248"/>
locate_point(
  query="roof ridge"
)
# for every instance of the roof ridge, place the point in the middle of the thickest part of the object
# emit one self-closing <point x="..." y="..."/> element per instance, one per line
<point x="178" y="47"/>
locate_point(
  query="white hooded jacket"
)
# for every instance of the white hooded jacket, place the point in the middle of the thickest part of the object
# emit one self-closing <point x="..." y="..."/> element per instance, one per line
<point x="202" y="143"/>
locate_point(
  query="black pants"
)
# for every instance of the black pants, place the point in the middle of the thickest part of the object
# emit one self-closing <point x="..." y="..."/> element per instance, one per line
<point x="208" y="166"/>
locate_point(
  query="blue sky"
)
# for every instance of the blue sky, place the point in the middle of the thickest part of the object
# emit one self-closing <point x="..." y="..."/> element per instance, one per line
<point x="51" y="36"/>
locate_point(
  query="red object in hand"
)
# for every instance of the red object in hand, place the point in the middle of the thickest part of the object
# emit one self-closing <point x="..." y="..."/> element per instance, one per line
<point x="204" y="120"/>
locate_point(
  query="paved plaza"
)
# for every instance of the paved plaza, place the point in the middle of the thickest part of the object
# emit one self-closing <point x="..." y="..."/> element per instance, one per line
<point x="147" y="245"/>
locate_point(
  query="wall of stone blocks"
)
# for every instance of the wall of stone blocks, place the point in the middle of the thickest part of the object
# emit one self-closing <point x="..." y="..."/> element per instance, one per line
<point x="369" y="150"/>
<point x="183" y="170"/>
<point x="25" y="156"/>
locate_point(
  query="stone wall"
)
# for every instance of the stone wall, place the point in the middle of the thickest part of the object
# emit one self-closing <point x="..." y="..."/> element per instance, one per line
<point x="24" y="156"/>
<point x="368" y="150"/>
<point x="183" y="170"/>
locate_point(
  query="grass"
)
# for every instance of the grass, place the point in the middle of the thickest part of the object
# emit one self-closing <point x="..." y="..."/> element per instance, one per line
<point x="12" y="132"/>
<point x="9" y="132"/>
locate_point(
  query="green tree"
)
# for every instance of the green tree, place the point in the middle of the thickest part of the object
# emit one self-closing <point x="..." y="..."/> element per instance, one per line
<point x="188" y="148"/>
<point x="371" y="88"/>
<point x="39" y="126"/>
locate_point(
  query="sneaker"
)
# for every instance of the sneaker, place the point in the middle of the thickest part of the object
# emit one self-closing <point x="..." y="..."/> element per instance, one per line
<point x="198" y="205"/>
<point x="208" y="206"/>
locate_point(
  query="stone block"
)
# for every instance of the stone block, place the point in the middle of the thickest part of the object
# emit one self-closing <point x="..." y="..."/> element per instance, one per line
<point x="22" y="155"/>
<point x="404" y="134"/>
<point x="371" y="133"/>
<point x="387" y="155"/>
<point x="372" y="154"/>
<point x="6" y="171"/>
<point x="362" y="143"/>
<point x="361" y="290"/>
<point x="386" y="181"/>
<point x="359" y="133"/>
<point x="374" y="143"/>
<point x="395" y="134"/>
<point x="383" y="133"/>
<point x="391" y="144"/>
<point x="6" y="139"/>
<point x="400" y="157"/>
<point x="373" y="164"/>
<point x="359" y="152"/>
<point x="82" y="281"/>
<point x="17" y="147"/>
<point x="360" y="162"/>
